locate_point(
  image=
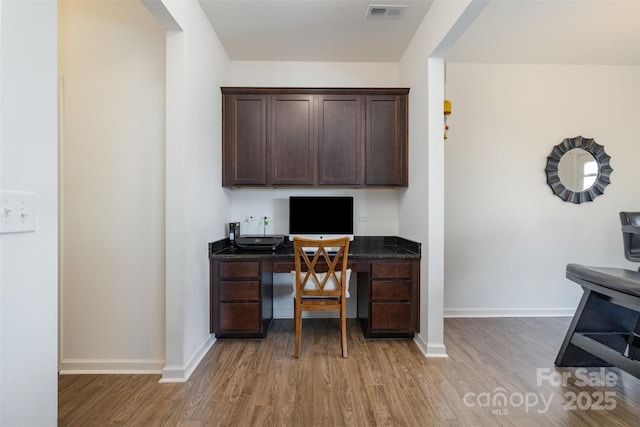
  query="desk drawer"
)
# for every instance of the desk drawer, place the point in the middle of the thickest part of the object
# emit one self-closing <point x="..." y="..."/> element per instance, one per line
<point x="240" y="317"/>
<point x="240" y="290"/>
<point x="233" y="269"/>
<point x="391" y="270"/>
<point x="391" y="316"/>
<point x="397" y="290"/>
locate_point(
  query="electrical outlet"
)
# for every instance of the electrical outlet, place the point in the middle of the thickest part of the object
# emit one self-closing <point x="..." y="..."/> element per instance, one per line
<point x="364" y="218"/>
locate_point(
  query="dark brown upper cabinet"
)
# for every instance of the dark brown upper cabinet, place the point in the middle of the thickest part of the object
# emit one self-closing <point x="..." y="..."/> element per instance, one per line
<point x="292" y="141"/>
<point x="285" y="137"/>
<point x="244" y="146"/>
<point x="340" y="139"/>
<point x="386" y="135"/>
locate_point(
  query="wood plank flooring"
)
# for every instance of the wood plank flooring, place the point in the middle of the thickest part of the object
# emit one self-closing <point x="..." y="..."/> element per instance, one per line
<point x="500" y="373"/>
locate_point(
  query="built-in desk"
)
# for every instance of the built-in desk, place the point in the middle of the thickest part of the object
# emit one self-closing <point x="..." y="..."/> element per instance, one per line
<point x="388" y="276"/>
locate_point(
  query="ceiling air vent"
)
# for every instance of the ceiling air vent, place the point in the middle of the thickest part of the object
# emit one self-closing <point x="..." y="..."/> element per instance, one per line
<point x="385" y="11"/>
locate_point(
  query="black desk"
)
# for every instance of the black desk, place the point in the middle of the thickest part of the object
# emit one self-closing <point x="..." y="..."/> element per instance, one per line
<point x="388" y="275"/>
<point x="605" y="330"/>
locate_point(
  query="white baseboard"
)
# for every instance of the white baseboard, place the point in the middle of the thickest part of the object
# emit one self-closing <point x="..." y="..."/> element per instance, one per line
<point x="180" y="374"/>
<point x="509" y="312"/>
<point x="436" y="350"/>
<point x="111" y="366"/>
<point x="430" y="350"/>
<point x="421" y="343"/>
<point x="133" y="366"/>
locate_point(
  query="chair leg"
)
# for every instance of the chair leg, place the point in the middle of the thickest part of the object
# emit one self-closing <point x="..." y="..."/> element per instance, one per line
<point x="297" y="326"/>
<point x="343" y="329"/>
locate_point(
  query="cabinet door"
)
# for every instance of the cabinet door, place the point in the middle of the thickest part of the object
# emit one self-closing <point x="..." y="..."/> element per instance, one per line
<point x="340" y="139"/>
<point x="386" y="140"/>
<point x="292" y="142"/>
<point x="245" y="140"/>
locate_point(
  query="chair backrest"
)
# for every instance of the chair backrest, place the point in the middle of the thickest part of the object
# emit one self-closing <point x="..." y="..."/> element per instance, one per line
<point x="631" y="235"/>
<point x="321" y="267"/>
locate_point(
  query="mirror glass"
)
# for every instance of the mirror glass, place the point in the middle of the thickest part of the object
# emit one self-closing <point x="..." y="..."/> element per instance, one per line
<point x="578" y="169"/>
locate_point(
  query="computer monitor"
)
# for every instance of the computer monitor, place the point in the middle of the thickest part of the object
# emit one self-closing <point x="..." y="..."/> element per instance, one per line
<point x="320" y="217"/>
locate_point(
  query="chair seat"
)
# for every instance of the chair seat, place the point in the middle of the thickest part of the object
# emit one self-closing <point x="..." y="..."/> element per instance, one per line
<point x="319" y="300"/>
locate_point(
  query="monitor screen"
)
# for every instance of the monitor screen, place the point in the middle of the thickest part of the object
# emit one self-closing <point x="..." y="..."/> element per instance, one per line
<point x="317" y="217"/>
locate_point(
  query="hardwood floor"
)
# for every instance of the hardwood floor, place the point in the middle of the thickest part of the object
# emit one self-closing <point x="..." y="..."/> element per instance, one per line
<point x="500" y="373"/>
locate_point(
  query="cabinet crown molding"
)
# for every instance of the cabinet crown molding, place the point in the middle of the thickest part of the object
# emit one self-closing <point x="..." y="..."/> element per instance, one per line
<point x="239" y="90"/>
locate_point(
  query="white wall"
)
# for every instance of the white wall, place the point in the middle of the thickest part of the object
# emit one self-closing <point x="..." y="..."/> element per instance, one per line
<point x="112" y="58"/>
<point x="508" y="238"/>
<point x="142" y="199"/>
<point x="197" y="207"/>
<point x="314" y="74"/>
<point x="29" y="261"/>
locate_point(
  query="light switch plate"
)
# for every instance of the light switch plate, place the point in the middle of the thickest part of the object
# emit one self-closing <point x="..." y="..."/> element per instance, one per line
<point x="17" y="211"/>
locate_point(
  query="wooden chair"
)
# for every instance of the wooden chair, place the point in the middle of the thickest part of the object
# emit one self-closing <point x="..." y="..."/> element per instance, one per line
<point x="320" y="282"/>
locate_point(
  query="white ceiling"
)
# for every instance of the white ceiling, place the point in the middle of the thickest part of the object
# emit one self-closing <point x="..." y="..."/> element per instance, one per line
<point x="598" y="32"/>
<point x="507" y="31"/>
<point x="312" y="30"/>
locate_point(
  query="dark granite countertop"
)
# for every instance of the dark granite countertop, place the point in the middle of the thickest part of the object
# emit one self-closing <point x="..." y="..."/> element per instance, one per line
<point x="360" y="247"/>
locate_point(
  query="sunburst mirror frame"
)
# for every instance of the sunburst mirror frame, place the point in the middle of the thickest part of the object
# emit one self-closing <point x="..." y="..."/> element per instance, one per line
<point x="604" y="170"/>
